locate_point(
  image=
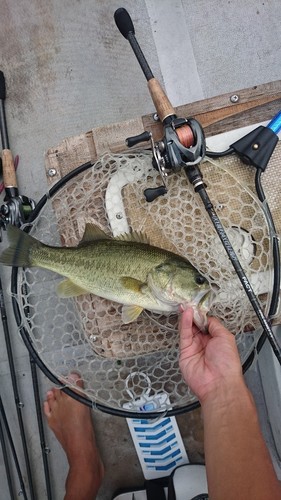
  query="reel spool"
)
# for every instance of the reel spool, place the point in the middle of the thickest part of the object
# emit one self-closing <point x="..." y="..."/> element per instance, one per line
<point x="86" y="334"/>
<point x="186" y="136"/>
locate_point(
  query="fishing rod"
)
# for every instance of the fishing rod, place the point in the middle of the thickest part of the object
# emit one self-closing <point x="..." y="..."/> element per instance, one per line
<point x="18" y="402"/>
<point x="44" y="448"/>
<point x="3" y="418"/>
<point x="6" y="459"/>
<point x="183" y="146"/>
<point x="16" y="210"/>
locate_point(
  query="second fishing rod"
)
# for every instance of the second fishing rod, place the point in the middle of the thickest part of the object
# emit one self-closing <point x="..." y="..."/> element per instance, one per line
<point x="183" y="146"/>
<point x="16" y="210"/>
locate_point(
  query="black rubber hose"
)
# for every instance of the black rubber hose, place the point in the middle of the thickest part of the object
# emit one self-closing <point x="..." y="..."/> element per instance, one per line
<point x="219" y="154"/>
<point x="275" y="253"/>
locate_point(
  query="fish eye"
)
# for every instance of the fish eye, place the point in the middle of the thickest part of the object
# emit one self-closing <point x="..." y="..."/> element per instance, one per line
<point x="200" y="280"/>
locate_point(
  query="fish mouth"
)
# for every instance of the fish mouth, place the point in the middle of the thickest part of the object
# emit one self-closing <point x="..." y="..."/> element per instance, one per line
<point x="201" y="306"/>
<point x="202" y="299"/>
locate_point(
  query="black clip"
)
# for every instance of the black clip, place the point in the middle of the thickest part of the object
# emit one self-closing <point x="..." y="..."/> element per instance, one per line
<point x="256" y="147"/>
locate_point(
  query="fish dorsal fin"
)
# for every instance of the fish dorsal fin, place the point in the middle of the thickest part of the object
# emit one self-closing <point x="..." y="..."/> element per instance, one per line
<point x="93" y="233"/>
<point x="133" y="236"/>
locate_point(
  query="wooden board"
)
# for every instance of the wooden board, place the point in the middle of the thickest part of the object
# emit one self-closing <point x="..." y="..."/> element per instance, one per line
<point x="216" y="115"/>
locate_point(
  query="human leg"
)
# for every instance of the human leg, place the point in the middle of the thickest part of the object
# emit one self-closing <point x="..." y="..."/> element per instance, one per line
<point x="72" y="425"/>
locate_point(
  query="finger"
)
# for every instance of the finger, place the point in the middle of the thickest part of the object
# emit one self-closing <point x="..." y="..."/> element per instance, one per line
<point x="216" y="328"/>
<point x="185" y="328"/>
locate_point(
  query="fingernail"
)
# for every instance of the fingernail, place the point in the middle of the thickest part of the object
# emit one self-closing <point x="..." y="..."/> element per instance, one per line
<point x="184" y="307"/>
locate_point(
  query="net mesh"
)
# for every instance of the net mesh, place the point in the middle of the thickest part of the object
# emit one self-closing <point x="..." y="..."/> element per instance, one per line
<point x="86" y="333"/>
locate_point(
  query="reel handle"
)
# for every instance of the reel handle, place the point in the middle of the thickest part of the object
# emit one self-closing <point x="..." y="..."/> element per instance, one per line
<point x="136" y="139"/>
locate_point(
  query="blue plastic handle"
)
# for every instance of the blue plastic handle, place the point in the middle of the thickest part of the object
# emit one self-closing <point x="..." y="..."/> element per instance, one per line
<point x="275" y="123"/>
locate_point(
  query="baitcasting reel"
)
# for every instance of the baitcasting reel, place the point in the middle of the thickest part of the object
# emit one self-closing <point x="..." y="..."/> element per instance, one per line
<point x="183" y="145"/>
<point x="16" y="208"/>
<point x="16" y="211"/>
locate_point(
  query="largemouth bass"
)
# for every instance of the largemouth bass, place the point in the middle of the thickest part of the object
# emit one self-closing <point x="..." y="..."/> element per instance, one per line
<point x="125" y="269"/>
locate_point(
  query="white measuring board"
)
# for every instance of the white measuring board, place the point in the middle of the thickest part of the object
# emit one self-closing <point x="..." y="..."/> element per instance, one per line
<point x="158" y="442"/>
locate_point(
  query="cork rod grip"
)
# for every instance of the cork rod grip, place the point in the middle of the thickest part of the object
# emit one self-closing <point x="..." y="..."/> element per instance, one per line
<point x="161" y="102"/>
<point x="9" y="173"/>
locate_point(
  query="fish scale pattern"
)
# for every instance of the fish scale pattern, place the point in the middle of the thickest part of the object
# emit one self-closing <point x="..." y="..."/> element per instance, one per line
<point x="86" y="333"/>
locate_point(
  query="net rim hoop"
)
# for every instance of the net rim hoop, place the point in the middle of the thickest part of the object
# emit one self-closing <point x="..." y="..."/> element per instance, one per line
<point x="41" y="365"/>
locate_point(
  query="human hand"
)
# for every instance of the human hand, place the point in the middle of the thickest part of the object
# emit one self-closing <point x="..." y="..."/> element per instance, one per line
<point x="207" y="360"/>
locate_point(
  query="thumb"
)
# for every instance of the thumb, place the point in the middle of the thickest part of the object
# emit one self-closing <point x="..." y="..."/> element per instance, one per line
<point x="216" y="328"/>
<point x="185" y="328"/>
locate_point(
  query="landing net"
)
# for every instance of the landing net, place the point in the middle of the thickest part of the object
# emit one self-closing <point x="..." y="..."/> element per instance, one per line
<point x="121" y="363"/>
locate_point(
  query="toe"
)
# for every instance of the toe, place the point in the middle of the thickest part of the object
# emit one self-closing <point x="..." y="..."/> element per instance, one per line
<point x="57" y="393"/>
<point x="47" y="409"/>
<point x="50" y="395"/>
<point x="51" y="399"/>
<point x="75" y="379"/>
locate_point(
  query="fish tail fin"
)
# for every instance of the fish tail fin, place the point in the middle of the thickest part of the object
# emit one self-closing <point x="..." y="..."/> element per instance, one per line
<point x="19" y="253"/>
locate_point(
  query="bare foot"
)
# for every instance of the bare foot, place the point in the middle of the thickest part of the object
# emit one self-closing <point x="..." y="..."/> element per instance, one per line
<point x="72" y="425"/>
